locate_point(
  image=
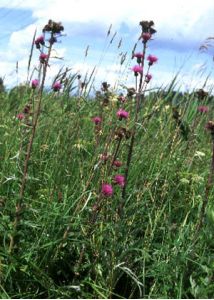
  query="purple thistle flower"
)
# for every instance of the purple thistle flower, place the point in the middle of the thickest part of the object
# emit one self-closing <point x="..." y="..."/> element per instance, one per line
<point x="40" y="40"/>
<point x="56" y="86"/>
<point x="148" y="77"/>
<point x="138" y="55"/>
<point x="96" y="120"/>
<point x="43" y="57"/>
<point x="117" y="163"/>
<point x="152" y="59"/>
<point x="203" y="109"/>
<point x="119" y="179"/>
<point x="20" y="116"/>
<point x="137" y="69"/>
<point x="107" y="190"/>
<point x="34" y="83"/>
<point x="146" y="36"/>
<point x="122" y="114"/>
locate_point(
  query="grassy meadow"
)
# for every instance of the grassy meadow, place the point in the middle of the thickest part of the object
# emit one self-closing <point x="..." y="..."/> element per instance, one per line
<point x="62" y="233"/>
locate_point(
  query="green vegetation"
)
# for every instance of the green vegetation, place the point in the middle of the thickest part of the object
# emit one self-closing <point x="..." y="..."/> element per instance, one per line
<point x="70" y="241"/>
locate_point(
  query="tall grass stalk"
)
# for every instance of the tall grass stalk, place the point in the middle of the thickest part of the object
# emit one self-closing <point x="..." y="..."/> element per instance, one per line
<point x="209" y="184"/>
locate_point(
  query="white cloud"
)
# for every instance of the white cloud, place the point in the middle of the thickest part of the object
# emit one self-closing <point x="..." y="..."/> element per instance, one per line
<point x="179" y="16"/>
<point x="178" y="20"/>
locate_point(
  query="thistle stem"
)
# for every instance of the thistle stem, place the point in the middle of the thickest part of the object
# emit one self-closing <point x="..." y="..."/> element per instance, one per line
<point x="131" y="145"/>
<point x="19" y="203"/>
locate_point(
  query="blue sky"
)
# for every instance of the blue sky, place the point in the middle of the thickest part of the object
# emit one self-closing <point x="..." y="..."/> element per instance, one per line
<point x="182" y="26"/>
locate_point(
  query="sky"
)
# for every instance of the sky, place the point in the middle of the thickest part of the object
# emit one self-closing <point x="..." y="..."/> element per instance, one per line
<point x="182" y="27"/>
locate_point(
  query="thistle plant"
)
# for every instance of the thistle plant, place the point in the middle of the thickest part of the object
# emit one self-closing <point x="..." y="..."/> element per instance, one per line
<point x="54" y="30"/>
<point x="141" y="81"/>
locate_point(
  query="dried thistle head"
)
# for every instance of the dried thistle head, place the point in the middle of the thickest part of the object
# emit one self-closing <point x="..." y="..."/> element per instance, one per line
<point x="105" y="86"/>
<point x="54" y="27"/>
<point x="122" y="132"/>
<point x="201" y="94"/>
<point x="131" y="92"/>
<point x="210" y="126"/>
<point x="147" y="27"/>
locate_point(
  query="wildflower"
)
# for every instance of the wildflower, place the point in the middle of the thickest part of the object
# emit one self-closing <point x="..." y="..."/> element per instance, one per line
<point x="148" y="77"/>
<point x="34" y="83"/>
<point x="146" y="36"/>
<point x="117" y="163"/>
<point x="203" y="109"/>
<point x="137" y="69"/>
<point x="152" y="59"/>
<point x="96" y="120"/>
<point x="107" y="189"/>
<point x="40" y="40"/>
<point x="139" y="57"/>
<point x="122" y="114"/>
<point x="119" y="179"/>
<point x="20" y="116"/>
<point x="56" y="86"/>
<point x="43" y="57"/>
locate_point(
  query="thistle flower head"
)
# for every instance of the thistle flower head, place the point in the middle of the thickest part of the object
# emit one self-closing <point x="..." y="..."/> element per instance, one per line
<point x="43" y="57"/>
<point x="117" y="163"/>
<point x="122" y="114"/>
<point x="34" y="83"/>
<point x="40" y="40"/>
<point x="20" y="116"/>
<point x="54" y="27"/>
<point x="96" y="120"/>
<point x="210" y="126"/>
<point x="137" y="69"/>
<point x="146" y="36"/>
<point x="148" y="77"/>
<point x="203" y="109"/>
<point x="147" y="26"/>
<point x="56" y="86"/>
<point x="119" y="179"/>
<point x="152" y="59"/>
<point x="138" y="55"/>
<point x="107" y="190"/>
